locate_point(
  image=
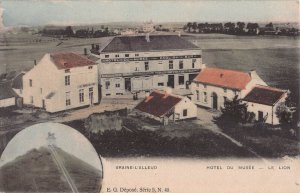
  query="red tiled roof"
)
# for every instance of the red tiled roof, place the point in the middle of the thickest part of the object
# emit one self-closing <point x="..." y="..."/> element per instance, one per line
<point x="70" y="60"/>
<point x="264" y="95"/>
<point x="224" y="78"/>
<point x="158" y="103"/>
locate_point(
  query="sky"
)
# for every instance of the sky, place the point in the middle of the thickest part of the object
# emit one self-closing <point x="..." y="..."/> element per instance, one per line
<point x="72" y="12"/>
<point x="67" y="138"/>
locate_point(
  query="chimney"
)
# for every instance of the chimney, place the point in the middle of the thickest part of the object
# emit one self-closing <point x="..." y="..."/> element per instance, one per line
<point x="97" y="47"/>
<point x="93" y="46"/>
<point x="147" y="37"/>
<point x="203" y="66"/>
<point x="34" y="62"/>
<point x="85" y="51"/>
<point x="253" y="73"/>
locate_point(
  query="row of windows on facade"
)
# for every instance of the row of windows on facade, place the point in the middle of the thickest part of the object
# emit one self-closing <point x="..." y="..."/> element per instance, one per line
<point x="118" y="85"/>
<point x="67" y="81"/>
<point x="171" y="65"/>
<point x="118" y="55"/>
<point x="68" y="99"/>
<point x="224" y="89"/>
<point x="204" y="97"/>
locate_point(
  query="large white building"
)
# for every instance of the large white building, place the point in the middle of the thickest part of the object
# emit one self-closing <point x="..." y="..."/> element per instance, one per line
<point x="144" y="63"/>
<point x="213" y="86"/>
<point x="61" y="81"/>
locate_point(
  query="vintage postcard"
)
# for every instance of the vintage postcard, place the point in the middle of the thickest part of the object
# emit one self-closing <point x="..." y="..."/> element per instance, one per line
<point x="149" y="96"/>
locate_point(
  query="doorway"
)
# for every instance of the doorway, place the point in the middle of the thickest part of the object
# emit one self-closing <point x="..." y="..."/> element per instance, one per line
<point x="128" y="84"/>
<point x="215" y="101"/>
<point x="171" y="81"/>
<point x="260" y="116"/>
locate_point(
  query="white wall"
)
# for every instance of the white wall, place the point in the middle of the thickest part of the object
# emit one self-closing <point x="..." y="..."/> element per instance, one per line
<point x="8" y="102"/>
<point x="46" y="78"/>
<point x="209" y="89"/>
<point x="186" y="103"/>
<point x="266" y="109"/>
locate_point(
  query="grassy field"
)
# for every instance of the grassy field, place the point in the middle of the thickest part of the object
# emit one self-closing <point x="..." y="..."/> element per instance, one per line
<point x="276" y="59"/>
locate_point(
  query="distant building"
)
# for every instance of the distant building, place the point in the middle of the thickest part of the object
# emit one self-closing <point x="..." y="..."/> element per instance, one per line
<point x="263" y="101"/>
<point x="7" y="95"/>
<point x="61" y="81"/>
<point x="143" y="63"/>
<point x="213" y="86"/>
<point x="148" y="26"/>
<point x="165" y="107"/>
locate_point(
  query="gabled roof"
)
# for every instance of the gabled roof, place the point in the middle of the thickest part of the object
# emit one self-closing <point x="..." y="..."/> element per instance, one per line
<point x="158" y="103"/>
<point x="70" y="60"/>
<point x="6" y="91"/>
<point x="224" y="78"/>
<point x="17" y="82"/>
<point x="264" y="95"/>
<point x="140" y="44"/>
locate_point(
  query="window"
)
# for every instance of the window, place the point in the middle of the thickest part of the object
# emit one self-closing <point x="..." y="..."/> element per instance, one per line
<point x="67" y="70"/>
<point x="68" y="100"/>
<point x="90" y="67"/>
<point x="118" y="85"/>
<point x="197" y="95"/>
<point x="204" y="85"/>
<point x="184" y="112"/>
<point x="30" y="82"/>
<point x="180" y="64"/>
<point x="170" y="64"/>
<point x="81" y="95"/>
<point x="31" y="99"/>
<point x="160" y="84"/>
<point x="136" y="69"/>
<point x="106" y="56"/>
<point x="67" y="80"/>
<point x="180" y="80"/>
<point x="193" y="63"/>
<point x="146" y="66"/>
<point x="107" y="84"/>
<point x="136" y="55"/>
<point x="225" y="90"/>
<point x="127" y="55"/>
<point x="205" y="97"/>
<point x="91" y="93"/>
<point x="117" y="55"/>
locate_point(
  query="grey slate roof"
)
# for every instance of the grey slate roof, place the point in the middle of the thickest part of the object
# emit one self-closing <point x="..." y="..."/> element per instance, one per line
<point x="140" y="44"/>
<point x="6" y="91"/>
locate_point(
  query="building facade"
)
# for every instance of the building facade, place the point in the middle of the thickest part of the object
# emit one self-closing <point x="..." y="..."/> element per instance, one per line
<point x="143" y="63"/>
<point x="263" y="102"/>
<point x="163" y="106"/>
<point x="61" y="81"/>
<point x="213" y="86"/>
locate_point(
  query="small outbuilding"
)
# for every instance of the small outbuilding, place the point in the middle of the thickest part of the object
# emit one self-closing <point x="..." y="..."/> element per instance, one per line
<point x="164" y="107"/>
<point x="7" y="95"/>
<point x="263" y="101"/>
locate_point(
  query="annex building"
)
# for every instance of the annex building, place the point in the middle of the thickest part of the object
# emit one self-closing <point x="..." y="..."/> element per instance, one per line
<point x="163" y="106"/>
<point x="213" y="86"/>
<point x="143" y="63"/>
<point x="61" y="81"/>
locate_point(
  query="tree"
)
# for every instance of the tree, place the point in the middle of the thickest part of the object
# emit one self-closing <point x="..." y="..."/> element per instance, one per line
<point x="241" y="26"/>
<point x="194" y="26"/>
<point x="287" y="113"/>
<point x="252" y="28"/>
<point x="69" y="31"/>
<point x="235" y="110"/>
<point x="229" y="27"/>
<point x="189" y="26"/>
<point x="270" y="25"/>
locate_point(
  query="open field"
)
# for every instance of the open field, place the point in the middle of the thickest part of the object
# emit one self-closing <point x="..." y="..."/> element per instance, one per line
<point x="276" y="59"/>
